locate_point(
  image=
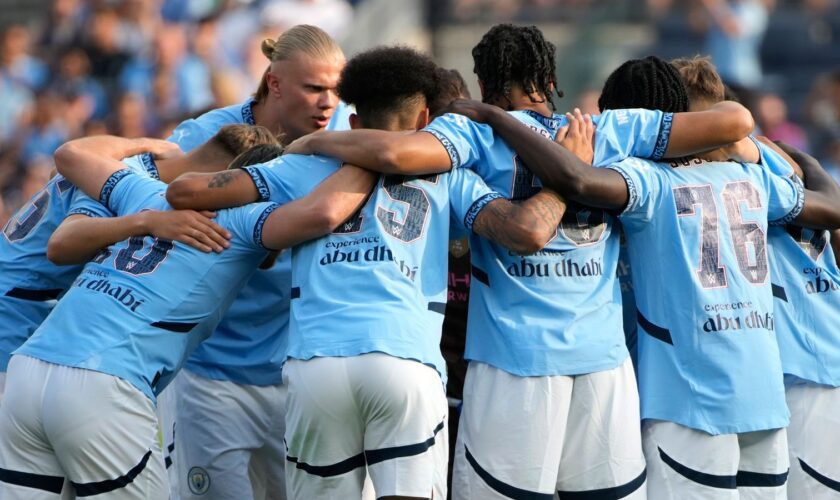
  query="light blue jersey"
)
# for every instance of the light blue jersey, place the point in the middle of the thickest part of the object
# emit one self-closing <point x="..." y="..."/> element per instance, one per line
<point x="141" y="305"/>
<point x="558" y="311"/>
<point x="378" y="284"/>
<point x="806" y="288"/>
<point x="249" y="344"/>
<point x="696" y="235"/>
<point x="29" y="283"/>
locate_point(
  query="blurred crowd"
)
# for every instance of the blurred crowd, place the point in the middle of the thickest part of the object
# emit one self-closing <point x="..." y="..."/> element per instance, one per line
<point x="138" y="67"/>
<point x="132" y="68"/>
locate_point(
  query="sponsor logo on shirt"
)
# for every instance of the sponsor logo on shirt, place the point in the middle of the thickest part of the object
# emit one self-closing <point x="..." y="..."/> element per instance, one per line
<point x="736" y="316"/>
<point x="818" y="282"/>
<point x="98" y="282"/>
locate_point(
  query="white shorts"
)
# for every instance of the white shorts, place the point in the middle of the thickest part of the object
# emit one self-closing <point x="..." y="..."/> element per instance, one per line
<point x="2" y="385"/>
<point x="689" y="464"/>
<point x="96" y="430"/>
<point x="529" y="437"/>
<point x="230" y="439"/>
<point x="814" y="440"/>
<point x="375" y="409"/>
<point x="165" y="411"/>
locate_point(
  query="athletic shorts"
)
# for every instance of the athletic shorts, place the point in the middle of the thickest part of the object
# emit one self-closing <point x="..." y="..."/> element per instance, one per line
<point x="95" y="430"/>
<point x="2" y="386"/>
<point x="532" y="437"/>
<point x="230" y="439"/>
<point x="814" y="440"/>
<point x="165" y="411"/>
<point x="690" y="464"/>
<point x="377" y="410"/>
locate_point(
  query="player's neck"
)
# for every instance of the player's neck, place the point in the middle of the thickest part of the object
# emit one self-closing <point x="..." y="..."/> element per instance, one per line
<point x="520" y="101"/>
<point x="267" y="117"/>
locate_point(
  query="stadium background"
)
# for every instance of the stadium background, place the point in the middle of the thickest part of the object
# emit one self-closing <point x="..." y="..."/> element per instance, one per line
<point x="134" y="68"/>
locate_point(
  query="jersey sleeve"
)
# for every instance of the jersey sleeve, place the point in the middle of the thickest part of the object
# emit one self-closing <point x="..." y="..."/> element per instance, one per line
<point x="290" y="177"/>
<point x="461" y="137"/>
<point x="785" y="197"/>
<point x="622" y="133"/>
<point x="772" y="160"/>
<point x="468" y="195"/>
<point x="126" y="192"/>
<point x="248" y="222"/>
<point x="189" y="135"/>
<point x="645" y="185"/>
<point x="82" y="204"/>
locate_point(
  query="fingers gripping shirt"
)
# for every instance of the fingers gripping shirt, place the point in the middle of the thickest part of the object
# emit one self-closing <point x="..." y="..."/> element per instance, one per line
<point x="142" y="305"/>
<point x="806" y="293"/>
<point x="567" y="316"/>
<point x="29" y="282"/>
<point x="375" y="284"/>
<point x="708" y="357"/>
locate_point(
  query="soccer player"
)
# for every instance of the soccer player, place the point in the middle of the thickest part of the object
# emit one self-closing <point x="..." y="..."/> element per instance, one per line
<point x="31" y="283"/>
<point x="237" y="449"/>
<point x="806" y="289"/>
<point x="364" y="366"/>
<point x="709" y="370"/>
<point x="82" y="389"/>
<point x="565" y="330"/>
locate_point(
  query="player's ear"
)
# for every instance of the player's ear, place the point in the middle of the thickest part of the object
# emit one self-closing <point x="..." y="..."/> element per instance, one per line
<point x="273" y="83"/>
<point x="354" y="121"/>
<point x="422" y="119"/>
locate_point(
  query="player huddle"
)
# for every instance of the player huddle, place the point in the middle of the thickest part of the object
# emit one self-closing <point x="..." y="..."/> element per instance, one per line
<point x="300" y="374"/>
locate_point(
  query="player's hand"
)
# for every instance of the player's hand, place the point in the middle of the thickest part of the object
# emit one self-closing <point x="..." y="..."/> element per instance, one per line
<point x="578" y="136"/>
<point x="302" y="145"/>
<point x="196" y="229"/>
<point x="474" y="110"/>
<point x="162" y="150"/>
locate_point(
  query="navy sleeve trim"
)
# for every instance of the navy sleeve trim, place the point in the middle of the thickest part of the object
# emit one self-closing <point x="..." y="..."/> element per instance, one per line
<point x="110" y="184"/>
<point x="259" y="182"/>
<point x="248" y="113"/>
<point x="83" y="211"/>
<point x="632" y="191"/>
<point x="477" y="207"/>
<point x="797" y="209"/>
<point x="150" y="166"/>
<point x="454" y="157"/>
<point x="664" y="136"/>
<point x="258" y="228"/>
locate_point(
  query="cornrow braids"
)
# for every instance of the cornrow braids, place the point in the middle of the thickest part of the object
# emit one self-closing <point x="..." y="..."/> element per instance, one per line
<point x="649" y="83"/>
<point x="511" y="55"/>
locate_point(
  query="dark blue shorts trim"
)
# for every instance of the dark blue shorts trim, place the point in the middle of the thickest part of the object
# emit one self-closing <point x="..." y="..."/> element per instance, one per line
<point x="97" y="488"/>
<point x="36" y="481"/>
<point x="409" y="450"/>
<point x="710" y="480"/>
<point x="614" y="493"/>
<point x="746" y="479"/>
<point x="502" y="487"/>
<point x="824" y="480"/>
<point x="338" y="469"/>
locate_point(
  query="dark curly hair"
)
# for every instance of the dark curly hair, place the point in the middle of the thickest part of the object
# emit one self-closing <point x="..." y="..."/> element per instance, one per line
<point x="451" y="86"/>
<point x="509" y="55"/>
<point x="649" y="83"/>
<point x="385" y="81"/>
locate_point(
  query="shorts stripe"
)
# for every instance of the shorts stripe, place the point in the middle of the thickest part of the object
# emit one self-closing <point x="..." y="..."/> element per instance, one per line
<point x="108" y="485"/>
<point x="613" y="493"/>
<point x="342" y="467"/>
<point x="409" y="450"/>
<point x="502" y="487"/>
<point x="710" y="480"/>
<point x="37" y="481"/>
<point x="746" y="479"/>
<point x="824" y="480"/>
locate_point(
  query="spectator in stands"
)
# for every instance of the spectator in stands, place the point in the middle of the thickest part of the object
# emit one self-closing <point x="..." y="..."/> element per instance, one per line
<point x="16" y="62"/>
<point x="771" y="116"/>
<point x="734" y="39"/>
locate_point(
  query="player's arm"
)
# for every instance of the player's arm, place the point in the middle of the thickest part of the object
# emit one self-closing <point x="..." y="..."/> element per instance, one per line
<point x="331" y="203"/>
<point x="211" y="191"/>
<point x="79" y="237"/>
<point x="89" y="162"/>
<point x="822" y="196"/>
<point x="412" y="153"/>
<point x="522" y="228"/>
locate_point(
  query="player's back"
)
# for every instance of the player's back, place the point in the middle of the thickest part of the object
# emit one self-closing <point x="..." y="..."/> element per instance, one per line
<point x="696" y="236"/>
<point x="141" y="305"/>
<point x="558" y="311"/>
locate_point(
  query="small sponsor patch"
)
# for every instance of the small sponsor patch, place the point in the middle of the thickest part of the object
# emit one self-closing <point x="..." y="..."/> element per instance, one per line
<point x="198" y="480"/>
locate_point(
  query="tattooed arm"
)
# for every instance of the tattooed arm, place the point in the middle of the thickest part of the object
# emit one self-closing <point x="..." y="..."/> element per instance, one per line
<point x="523" y="228"/>
<point x="210" y="191"/>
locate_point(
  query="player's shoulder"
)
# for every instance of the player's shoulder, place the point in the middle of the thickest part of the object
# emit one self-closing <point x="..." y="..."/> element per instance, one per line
<point x="546" y="126"/>
<point x="296" y="161"/>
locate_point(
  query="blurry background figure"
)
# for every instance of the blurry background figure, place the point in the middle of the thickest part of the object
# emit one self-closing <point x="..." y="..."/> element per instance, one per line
<point x="771" y="116"/>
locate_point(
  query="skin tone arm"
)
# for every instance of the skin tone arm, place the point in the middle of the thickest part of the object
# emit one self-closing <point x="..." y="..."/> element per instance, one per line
<point x="202" y="191"/>
<point x="822" y="196"/>
<point x="522" y="228"/>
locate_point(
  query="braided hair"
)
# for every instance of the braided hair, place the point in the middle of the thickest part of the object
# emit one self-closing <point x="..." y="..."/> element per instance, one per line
<point x="649" y="83"/>
<point x="511" y="55"/>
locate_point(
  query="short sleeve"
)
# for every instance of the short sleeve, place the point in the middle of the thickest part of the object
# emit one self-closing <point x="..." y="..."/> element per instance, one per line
<point x="247" y="222"/>
<point x="785" y="197"/>
<point x="125" y="192"/>
<point x="190" y="135"/>
<point x="82" y="204"/>
<point x="622" y="133"/>
<point x="291" y="176"/>
<point x="462" y="138"/>
<point x="772" y="160"/>
<point x="645" y="186"/>
<point x="468" y="195"/>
